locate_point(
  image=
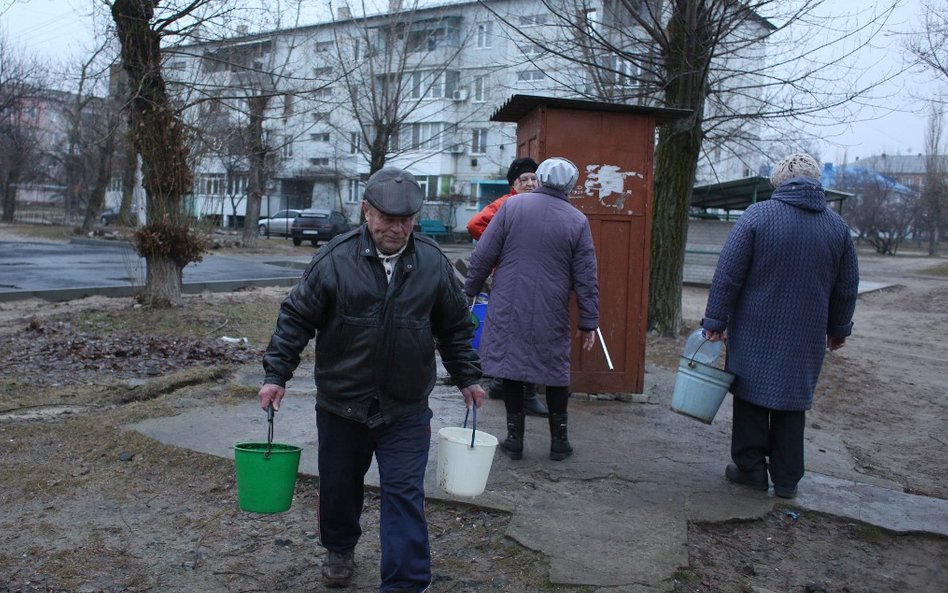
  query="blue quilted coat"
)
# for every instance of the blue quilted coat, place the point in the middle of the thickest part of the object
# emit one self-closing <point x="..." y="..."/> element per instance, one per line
<point x="542" y="249"/>
<point x="787" y="277"/>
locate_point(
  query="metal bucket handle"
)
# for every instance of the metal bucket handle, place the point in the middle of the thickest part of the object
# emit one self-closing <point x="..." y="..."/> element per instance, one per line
<point x="691" y="363"/>
<point x="270" y="412"/>
<point x="474" y="425"/>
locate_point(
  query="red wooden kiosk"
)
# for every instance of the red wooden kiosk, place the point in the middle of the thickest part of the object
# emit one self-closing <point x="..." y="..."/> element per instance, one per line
<point x="613" y="146"/>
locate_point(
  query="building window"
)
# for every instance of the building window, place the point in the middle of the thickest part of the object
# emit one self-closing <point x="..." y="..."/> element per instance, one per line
<point x="479" y="141"/>
<point x="592" y="22"/>
<point x="211" y="185"/>
<point x="483" y="35"/>
<point x="531" y="50"/>
<point x="355" y="142"/>
<point x="287" y="105"/>
<point x="429" y="84"/>
<point x="320" y="116"/>
<point x="427" y="136"/>
<point x="530" y="75"/>
<point x="319" y="161"/>
<point x="322" y="47"/>
<point x="320" y="137"/>
<point x="480" y="92"/>
<point x="433" y="34"/>
<point x="286" y="151"/>
<point x="354" y="191"/>
<point x="237" y="185"/>
<point x="533" y="20"/>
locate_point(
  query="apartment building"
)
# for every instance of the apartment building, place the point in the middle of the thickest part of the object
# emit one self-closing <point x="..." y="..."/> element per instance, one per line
<point x="413" y="88"/>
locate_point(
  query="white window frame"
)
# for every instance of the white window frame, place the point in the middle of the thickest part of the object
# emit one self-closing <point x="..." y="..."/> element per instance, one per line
<point x="532" y="75"/>
<point x="484" y="35"/>
<point x="480" y="89"/>
<point x="354" y="189"/>
<point x="479" y="141"/>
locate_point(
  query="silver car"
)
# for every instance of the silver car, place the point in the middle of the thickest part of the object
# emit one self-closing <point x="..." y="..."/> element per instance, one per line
<point x="279" y="224"/>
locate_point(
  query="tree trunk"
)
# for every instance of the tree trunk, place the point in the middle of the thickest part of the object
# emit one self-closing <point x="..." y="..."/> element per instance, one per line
<point x="163" y="279"/>
<point x="129" y="178"/>
<point x="676" y="156"/>
<point x="675" y="161"/>
<point x="258" y="161"/>
<point x="103" y="173"/>
<point x="9" y="198"/>
<point x="158" y="135"/>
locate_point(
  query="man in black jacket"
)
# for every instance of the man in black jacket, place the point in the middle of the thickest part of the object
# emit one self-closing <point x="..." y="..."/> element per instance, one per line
<point x="381" y="299"/>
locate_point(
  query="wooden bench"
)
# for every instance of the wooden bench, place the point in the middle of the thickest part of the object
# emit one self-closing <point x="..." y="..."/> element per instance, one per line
<point x="434" y="229"/>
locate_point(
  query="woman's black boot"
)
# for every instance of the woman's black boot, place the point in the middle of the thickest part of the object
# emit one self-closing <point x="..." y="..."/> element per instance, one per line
<point x="560" y="448"/>
<point x="512" y="447"/>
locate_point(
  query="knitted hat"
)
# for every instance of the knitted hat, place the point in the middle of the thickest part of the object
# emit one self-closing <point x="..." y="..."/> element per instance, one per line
<point x="795" y="165"/>
<point x="394" y="191"/>
<point x="519" y="167"/>
<point x="558" y="173"/>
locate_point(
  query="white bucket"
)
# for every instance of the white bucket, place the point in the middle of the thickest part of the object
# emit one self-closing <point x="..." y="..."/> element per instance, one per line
<point x="463" y="470"/>
<point x="699" y="389"/>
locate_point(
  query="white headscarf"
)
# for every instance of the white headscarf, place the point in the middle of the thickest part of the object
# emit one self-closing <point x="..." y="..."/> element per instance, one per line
<point x="795" y="165"/>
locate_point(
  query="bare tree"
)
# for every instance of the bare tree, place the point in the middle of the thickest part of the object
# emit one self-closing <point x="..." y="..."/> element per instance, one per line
<point x="883" y="212"/>
<point x="167" y="242"/>
<point x="389" y="68"/>
<point x="929" y="47"/>
<point x="709" y="57"/>
<point x="933" y="198"/>
<point x="20" y="105"/>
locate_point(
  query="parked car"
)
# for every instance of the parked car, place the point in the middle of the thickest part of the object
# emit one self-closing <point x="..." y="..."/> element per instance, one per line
<point x="318" y="224"/>
<point x="279" y="224"/>
<point x="109" y="216"/>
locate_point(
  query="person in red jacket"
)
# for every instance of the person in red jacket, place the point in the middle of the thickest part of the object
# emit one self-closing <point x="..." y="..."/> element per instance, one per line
<point x="523" y="179"/>
<point x="522" y="176"/>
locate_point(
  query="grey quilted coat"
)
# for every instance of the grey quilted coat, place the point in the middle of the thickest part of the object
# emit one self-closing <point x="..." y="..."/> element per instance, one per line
<point x="787" y="277"/>
<point x="542" y="249"/>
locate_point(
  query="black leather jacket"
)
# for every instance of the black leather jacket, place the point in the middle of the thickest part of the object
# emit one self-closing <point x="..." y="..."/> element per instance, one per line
<point x="376" y="339"/>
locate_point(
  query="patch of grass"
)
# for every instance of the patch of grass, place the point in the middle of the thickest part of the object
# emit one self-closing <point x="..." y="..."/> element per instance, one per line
<point x="49" y="232"/>
<point x="940" y="270"/>
<point x="201" y="318"/>
<point x="869" y="533"/>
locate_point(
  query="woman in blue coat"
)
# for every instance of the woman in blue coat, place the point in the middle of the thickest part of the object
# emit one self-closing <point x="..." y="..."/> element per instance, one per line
<point x="784" y="291"/>
<point x="540" y="249"/>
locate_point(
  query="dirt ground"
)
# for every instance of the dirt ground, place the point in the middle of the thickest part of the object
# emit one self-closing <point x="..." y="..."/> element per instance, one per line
<point x="91" y="507"/>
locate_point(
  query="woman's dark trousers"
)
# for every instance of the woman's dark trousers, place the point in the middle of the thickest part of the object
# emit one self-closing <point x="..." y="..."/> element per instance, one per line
<point x="760" y="434"/>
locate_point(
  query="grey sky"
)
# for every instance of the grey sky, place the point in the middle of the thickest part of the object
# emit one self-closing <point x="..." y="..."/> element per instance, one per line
<point x="56" y="28"/>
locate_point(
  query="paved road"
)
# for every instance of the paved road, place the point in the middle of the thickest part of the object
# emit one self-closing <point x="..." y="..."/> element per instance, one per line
<point x="59" y="272"/>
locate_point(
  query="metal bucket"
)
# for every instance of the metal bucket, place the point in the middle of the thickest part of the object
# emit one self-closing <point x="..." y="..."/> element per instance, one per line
<point x="699" y="389"/>
<point x="464" y="458"/>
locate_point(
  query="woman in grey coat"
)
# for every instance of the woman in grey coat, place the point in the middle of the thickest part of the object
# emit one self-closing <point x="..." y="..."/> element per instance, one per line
<point x="784" y="290"/>
<point x="542" y="249"/>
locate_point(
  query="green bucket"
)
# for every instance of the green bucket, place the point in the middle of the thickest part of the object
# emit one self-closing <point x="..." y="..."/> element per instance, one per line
<point x="266" y="478"/>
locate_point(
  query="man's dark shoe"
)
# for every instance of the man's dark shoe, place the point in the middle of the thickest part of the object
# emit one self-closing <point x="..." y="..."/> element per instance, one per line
<point x="785" y="491"/>
<point x="339" y="568"/>
<point x="756" y="478"/>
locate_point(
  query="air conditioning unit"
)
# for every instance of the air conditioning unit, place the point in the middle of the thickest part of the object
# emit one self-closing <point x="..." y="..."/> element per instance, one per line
<point x="457" y="148"/>
<point x="459" y="95"/>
